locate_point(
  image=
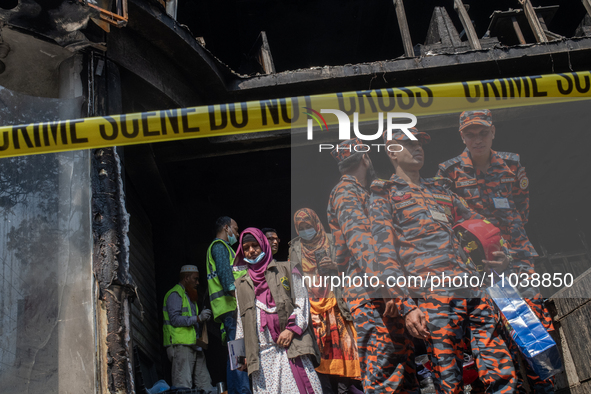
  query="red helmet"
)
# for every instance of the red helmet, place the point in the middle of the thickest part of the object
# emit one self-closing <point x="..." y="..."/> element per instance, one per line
<point x="479" y="238"/>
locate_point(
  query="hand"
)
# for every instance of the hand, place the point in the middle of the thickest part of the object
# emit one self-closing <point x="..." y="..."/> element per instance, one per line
<point x="499" y="265"/>
<point x="205" y="315"/>
<point x="285" y="338"/>
<point x="416" y="324"/>
<point x="326" y="264"/>
<point x="243" y="367"/>
<point x="391" y="309"/>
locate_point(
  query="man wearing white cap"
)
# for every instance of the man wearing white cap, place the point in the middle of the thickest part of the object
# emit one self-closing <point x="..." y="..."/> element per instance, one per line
<point x="181" y="329"/>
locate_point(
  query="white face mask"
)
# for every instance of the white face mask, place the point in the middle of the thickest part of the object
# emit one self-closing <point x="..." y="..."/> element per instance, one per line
<point x="255" y="260"/>
<point x="308" y="234"/>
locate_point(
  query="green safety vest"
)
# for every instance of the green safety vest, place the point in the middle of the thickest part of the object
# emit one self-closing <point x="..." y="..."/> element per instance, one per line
<point x="221" y="301"/>
<point x="179" y="335"/>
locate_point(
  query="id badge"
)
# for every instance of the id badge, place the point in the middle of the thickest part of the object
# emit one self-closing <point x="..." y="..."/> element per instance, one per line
<point x="501" y="203"/>
<point x="440" y="216"/>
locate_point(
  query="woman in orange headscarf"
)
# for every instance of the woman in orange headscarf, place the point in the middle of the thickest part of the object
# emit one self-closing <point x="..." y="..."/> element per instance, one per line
<point x="333" y="324"/>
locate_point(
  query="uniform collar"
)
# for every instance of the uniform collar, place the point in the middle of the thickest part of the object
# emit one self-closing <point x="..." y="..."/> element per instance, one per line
<point x="396" y="179"/>
<point x="351" y="179"/>
<point x="495" y="159"/>
<point x="466" y="159"/>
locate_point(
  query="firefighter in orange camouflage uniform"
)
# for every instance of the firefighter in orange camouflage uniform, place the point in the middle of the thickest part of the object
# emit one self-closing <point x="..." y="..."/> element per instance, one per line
<point x="385" y="349"/>
<point x="412" y="220"/>
<point x="495" y="185"/>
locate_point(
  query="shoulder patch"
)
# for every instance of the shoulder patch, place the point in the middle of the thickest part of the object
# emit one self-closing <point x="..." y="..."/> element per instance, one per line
<point x="464" y="203"/>
<point x="509" y="156"/>
<point x="449" y="163"/>
<point x="379" y="185"/>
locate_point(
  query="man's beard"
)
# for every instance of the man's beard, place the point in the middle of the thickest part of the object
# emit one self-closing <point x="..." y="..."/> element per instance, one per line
<point x="192" y="294"/>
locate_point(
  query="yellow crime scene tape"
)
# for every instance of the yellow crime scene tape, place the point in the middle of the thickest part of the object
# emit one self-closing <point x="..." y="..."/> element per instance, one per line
<point x="285" y="113"/>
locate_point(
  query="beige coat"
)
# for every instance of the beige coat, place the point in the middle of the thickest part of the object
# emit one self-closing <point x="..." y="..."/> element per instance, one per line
<point x="278" y="276"/>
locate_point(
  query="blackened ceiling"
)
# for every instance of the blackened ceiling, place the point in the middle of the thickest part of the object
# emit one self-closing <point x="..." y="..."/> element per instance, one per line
<point x="309" y="33"/>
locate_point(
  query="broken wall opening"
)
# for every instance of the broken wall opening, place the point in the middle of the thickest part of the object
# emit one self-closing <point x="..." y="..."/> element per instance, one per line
<point x="252" y="188"/>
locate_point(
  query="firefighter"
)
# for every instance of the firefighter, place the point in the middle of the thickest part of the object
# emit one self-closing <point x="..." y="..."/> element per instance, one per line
<point x="412" y="220"/>
<point x="495" y="185"/>
<point x="385" y="349"/>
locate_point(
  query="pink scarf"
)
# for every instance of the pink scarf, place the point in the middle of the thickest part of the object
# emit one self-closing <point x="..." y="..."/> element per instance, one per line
<point x="257" y="271"/>
<point x="263" y="294"/>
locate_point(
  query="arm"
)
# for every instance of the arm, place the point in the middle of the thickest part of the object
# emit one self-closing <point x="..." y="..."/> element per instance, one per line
<point x="354" y="224"/>
<point x="239" y="328"/>
<point x="442" y="173"/>
<point x="221" y="256"/>
<point x="521" y="194"/>
<point x="298" y="320"/>
<point x="174" y="305"/>
<point x="385" y="235"/>
<point x="383" y="232"/>
<point x="240" y="333"/>
<point x="461" y="210"/>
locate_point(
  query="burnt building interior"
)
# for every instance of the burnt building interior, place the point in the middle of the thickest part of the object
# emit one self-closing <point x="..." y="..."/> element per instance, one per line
<point x="145" y="55"/>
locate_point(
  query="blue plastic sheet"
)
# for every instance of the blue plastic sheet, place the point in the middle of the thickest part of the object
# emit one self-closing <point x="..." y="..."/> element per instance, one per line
<point x="534" y="342"/>
<point x="160" y="387"/>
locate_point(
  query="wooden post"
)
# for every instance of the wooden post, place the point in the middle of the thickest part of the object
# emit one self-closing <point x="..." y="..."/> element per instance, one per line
<point x="266" y="59"/>
<point x="518" y="30"/>
<point x="403" y="25"/>
<point x="587" y="4"/>
<point x="533" y="21"/>
<point x="467" y="23"/>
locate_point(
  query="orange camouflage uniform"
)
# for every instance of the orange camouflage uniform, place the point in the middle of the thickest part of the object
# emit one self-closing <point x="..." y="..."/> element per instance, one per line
<point x="386" y="351"/>
<point x="412" y="227"/>
<point x="501" y="195"/>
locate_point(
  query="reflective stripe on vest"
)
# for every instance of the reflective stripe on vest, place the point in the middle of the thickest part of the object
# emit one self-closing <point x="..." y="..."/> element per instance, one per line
<point x="179" y="335"/>
<point x="221" y="302"/>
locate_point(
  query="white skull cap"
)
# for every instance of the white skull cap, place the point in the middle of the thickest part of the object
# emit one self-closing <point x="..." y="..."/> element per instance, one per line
<point x="189" y="268"/>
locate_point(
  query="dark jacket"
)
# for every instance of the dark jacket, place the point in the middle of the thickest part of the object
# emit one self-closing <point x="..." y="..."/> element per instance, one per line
<point x="278" y="276"/>
<point x="295" y="257"/>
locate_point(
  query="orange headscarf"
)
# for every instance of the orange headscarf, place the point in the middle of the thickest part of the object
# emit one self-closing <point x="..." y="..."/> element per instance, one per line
<point x="319" y="242"/>
<point x="309" y="263"/>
